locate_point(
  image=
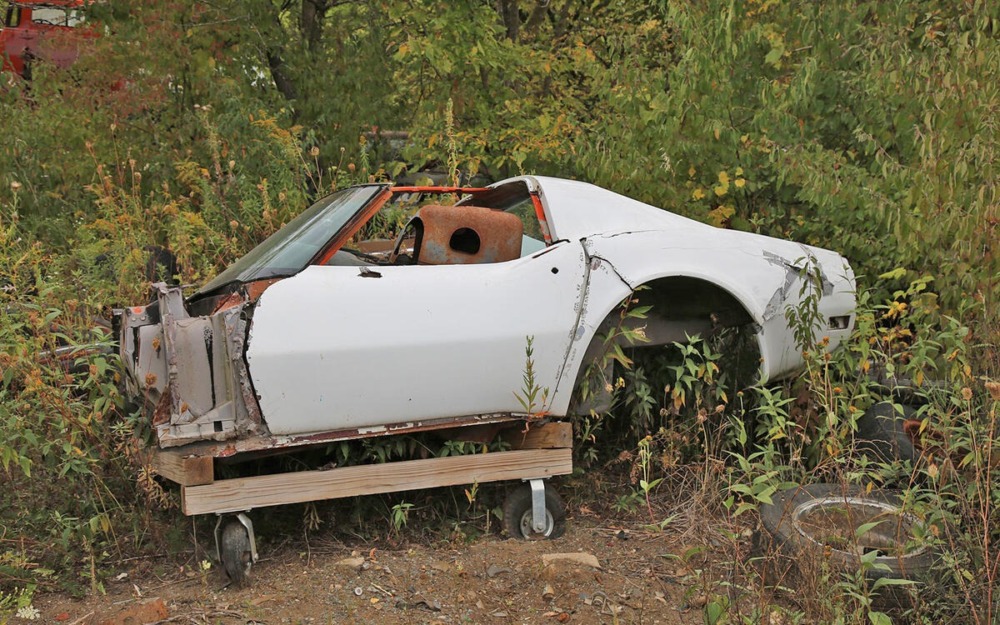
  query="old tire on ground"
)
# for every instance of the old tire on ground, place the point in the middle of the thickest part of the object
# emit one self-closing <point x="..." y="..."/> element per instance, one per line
<point x="235" y="552"/>
<point x="818" y="524"/>
<point x="517" y="514"/>
<point x="883" y="433"/>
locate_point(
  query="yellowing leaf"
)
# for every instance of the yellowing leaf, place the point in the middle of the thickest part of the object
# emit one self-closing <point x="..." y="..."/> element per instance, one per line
<point x="649" y="26"/>
<point x="720" y="215"/>
<point x="895" y="274"/>
<point x="698" y="194"/>
<point x="723" y="177"/>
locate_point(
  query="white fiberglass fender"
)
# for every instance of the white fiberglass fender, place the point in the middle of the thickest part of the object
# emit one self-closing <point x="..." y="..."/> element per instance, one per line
<point x="347" y="347"/>
<point x="763" y="274"/>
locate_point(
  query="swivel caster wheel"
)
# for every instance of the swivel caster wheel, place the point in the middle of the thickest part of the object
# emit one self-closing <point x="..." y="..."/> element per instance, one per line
<point x="533" y="512"/>
<point x="237" y="548"/>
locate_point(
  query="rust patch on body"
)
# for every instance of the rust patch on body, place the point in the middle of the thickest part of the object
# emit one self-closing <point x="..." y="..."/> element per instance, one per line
<point x="161" y="414"/>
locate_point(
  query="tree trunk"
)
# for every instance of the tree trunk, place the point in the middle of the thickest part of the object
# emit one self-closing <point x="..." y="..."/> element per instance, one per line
<point x="281" y="79"/>
<point x="511" y="18"/>
<point x="311" y="22"/>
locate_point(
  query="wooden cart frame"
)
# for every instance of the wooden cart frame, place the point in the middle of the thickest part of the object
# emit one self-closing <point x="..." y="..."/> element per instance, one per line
<point x="537" y="452"/>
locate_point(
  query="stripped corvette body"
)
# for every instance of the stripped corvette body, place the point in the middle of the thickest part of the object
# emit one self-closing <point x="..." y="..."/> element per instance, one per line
<point x="324" y="332"/>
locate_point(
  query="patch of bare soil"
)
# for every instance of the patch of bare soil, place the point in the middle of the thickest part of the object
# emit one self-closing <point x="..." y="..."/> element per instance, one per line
<point x="639" y="577"/>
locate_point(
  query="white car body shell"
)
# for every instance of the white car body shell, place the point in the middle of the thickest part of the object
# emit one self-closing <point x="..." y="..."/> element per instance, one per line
<point x="335" y="347"/>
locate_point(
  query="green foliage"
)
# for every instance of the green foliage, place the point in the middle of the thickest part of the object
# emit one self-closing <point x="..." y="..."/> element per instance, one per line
<point x="952" y="486"/>
<point x="532" y="397"/>
<point x="400" y="515"/>
<point x="18" y="604"/>
<point x="58" y="401"/>
<point x="821" y="123"/>
<point x="647" y="483"/>
<point x="771" y="438"/>
<point x="597" y="390"/>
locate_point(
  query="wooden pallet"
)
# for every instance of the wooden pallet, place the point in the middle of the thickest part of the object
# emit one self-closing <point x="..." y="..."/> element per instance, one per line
<point x="536" y="452"/>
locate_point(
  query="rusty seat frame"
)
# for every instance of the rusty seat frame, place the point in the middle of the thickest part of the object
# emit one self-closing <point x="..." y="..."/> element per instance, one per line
<point x="463" y="235"/>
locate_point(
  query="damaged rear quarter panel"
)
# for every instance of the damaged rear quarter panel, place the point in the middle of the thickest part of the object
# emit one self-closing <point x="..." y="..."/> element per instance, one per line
<point x="741" y="263"/>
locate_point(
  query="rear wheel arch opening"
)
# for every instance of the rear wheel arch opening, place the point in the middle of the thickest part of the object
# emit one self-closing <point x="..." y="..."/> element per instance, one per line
<point x="681" y="307"/>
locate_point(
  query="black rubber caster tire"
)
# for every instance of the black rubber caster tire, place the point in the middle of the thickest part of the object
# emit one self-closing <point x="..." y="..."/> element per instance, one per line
<point x="235" y="552"/>
<point x="517" y="514"/>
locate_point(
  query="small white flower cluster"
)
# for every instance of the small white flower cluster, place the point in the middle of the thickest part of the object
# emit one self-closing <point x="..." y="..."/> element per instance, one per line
<point x="28" y="613"/>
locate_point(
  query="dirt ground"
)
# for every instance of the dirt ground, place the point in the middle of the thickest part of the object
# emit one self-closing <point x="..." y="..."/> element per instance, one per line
<point x="642" y="576"/>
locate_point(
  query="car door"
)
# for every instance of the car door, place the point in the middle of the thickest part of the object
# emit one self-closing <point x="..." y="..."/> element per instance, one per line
<point x="338" y="347"/>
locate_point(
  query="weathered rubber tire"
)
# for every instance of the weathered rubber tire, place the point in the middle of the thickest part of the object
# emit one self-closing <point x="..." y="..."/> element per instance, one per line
<point x="881" y="435"/>
<point x="792" y="520"/>
<point x="517" y="514"/>
<point x="235" y="552"/>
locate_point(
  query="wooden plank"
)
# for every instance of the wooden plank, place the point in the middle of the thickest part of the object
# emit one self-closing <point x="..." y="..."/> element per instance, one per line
<point x="235" y="495"/>
<point x="182" y="468"/>
<point x="555" y="435"/>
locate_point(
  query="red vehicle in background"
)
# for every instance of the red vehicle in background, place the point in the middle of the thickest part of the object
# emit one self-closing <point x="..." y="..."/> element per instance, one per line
<point x="51" y="30"/>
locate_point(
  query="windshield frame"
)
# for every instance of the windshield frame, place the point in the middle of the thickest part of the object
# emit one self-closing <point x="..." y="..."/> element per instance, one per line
<point x="301" y="241"/>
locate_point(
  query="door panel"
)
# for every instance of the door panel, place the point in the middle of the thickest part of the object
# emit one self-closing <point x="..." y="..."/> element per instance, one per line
<point x="344" y="347"/>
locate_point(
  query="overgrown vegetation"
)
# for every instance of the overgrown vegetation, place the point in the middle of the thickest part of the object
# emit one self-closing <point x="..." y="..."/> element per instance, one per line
<point x="762" y="440"/>
<point x="866" y="127"/>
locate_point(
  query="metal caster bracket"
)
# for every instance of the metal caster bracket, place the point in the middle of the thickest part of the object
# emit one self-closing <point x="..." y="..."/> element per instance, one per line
<point x="538" y="522"/>
<point x="245" y="522"/>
